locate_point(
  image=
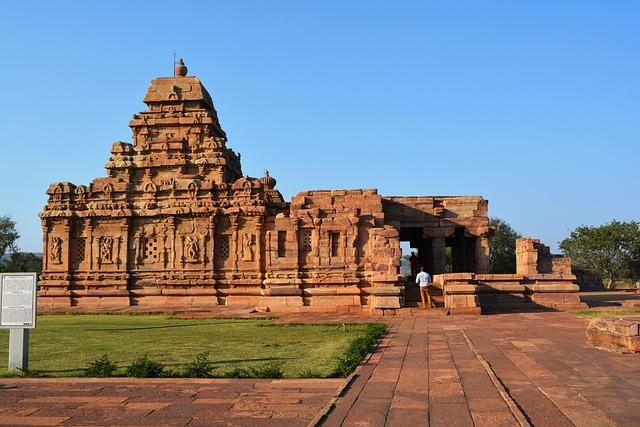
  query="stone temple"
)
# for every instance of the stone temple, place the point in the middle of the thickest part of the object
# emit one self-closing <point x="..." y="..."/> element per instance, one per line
<point x="177" y="223"/>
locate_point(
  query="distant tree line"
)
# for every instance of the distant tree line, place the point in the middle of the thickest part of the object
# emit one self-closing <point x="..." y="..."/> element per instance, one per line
<point x="11" y="258"/>
<point x="611" y="250"/>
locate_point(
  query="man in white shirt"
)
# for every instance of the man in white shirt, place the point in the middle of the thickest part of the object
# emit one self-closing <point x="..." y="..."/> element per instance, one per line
<point x="424" y="280"/>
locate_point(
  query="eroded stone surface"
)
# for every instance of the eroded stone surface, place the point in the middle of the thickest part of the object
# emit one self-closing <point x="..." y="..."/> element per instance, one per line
<point x="618" y="334"/>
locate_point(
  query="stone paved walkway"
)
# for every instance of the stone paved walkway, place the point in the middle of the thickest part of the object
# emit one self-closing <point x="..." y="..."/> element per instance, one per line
<point x="163" y="402"/>
<point x="425" y="372"/>
<point x="438" y="371"/>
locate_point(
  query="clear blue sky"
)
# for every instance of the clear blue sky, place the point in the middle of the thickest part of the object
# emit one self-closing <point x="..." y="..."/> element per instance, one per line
<point x="533" y="105"/>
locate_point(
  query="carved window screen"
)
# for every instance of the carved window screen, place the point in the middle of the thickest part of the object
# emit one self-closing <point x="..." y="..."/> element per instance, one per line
<point x="150" y="253"/>
<point x="305" y="240"/>
<point x="78" y="250"/>
<point x="282" y="239"/>
<point x="335" y="243"/>
<point x="224" y="247"/>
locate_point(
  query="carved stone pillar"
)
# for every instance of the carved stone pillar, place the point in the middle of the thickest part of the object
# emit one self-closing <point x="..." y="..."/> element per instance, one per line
<point x="259" y="246"/>
<point x="317" y="233"/>
<point x="296" y="241"/>
<point x="66" y="244"/>
<point x="234" y="241"/>
<point x="172" y="233"/>
<point x="212" y="239"/>
<point x="269" y="248"/>
<point x="45" y="244"/>
<point x="90" y="240"/>
<point x="438" y="245"/>
<point x="482" y="255"/>
<point x="123" y="246"/>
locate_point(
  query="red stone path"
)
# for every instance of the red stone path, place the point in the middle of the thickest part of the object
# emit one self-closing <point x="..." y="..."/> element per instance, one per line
<point x="426" y="373"/>
<point x="163" y="402"/>
<point x="444" y="371"/>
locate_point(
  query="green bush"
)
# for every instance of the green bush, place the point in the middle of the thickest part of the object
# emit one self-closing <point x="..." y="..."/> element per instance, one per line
<point x="200" y="367"/>
<point x="102" y="367"/>
<point x="310" y="373"/>
<point x="272" y="371"/>
<point x="358" y="348"/>
<point x="145" y="368"/>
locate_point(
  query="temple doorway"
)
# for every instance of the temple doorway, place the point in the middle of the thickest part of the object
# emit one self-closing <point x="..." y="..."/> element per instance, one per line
<point x="413" y="239"/>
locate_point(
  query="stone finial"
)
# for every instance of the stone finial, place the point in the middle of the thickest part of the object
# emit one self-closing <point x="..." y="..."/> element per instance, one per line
<point x="181" y="69"/>
<point x="268" y="181"/>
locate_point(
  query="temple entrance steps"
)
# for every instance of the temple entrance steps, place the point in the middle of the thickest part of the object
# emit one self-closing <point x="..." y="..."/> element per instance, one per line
<point x="412" y="295"/>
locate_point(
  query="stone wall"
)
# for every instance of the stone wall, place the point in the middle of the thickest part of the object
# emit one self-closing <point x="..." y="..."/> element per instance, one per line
<point x="532" y="257"/>
<point x="433" y="223"/>
<point x="542" y="280"/>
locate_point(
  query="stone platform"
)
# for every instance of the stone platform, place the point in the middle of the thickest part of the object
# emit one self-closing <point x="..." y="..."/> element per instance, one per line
<point x="454" y="371"/>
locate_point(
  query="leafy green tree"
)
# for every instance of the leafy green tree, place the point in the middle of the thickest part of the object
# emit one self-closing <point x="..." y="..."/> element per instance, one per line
<point x="612" y="249"/>
<point x="503" y="247"/>
<point x="8" y="235"/>
<point x="22" y="262"/>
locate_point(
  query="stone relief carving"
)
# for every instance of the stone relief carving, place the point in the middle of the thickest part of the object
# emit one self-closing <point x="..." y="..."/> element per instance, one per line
<point x="106" y="250"/>
<point x="107" y="190"/>
<point x="191" y="250"/>
<point x="140" y="241"/>
<point x="191" y="244"/>
<point x="55" y="251"/>
<point x="248" y="243"/>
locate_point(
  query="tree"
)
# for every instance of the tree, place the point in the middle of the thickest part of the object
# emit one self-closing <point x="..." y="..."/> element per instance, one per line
<point x="22" y="262"/>
<point x="503" y="247"/>
<point x="8" y="235"/>
<point x="611" y="249"/>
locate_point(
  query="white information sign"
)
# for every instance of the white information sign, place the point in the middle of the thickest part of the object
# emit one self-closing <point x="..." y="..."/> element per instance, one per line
<point x="18" y="300"/>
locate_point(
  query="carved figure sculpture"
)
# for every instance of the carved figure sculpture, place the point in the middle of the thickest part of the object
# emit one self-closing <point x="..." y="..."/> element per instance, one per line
<point x="56" y="250"/>
<point x="106" y="250"/>
<point x="248" y="241"/>
<point x="191" y="249"/>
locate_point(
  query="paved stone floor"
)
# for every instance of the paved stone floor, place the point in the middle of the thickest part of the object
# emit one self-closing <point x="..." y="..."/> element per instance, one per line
<point x="163" y="402"/>
<point x="426" y="372"/>
<point x="496" y="370"/>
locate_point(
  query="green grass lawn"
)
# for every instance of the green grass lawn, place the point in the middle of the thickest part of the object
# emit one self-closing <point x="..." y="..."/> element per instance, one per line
<point x="61" y="345"/>
<point x="606" y="313"/>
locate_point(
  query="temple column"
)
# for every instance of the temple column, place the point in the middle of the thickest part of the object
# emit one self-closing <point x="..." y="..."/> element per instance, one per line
<point x="438" y="247"/>
<point x="259" y="246"/>
<point x="482" y="255"/>
<point x="172" y="252"/>
<point x="45" y="245"/>
<point x="212" y="239"/>
<point x="66" y="244"/>
<point x="123" y="249"/>
<point x="296" y="242"/>
<point x="234" y="241"/>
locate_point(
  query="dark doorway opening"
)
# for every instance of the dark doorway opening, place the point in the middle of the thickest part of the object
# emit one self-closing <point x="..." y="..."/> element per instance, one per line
<point x="423" y="248"/>
<point x="414" y="236"/>
<point x="463" y="252"/>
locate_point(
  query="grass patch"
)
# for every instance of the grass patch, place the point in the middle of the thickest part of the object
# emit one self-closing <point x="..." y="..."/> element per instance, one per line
<point x="63" y="345"/>
<point x="358" y="348"/>
<point x="606" y="313"/>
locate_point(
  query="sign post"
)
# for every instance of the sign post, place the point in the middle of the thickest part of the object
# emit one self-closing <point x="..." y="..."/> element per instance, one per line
<point x="18" y="314"/>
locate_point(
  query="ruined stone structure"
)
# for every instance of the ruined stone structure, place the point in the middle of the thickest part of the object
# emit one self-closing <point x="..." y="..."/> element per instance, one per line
<point x="176" y="222"/>
<point x="541" y="280"/>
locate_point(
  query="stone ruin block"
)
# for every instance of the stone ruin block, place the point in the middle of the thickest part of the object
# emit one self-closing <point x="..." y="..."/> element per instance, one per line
<point x="618" y="334"/>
